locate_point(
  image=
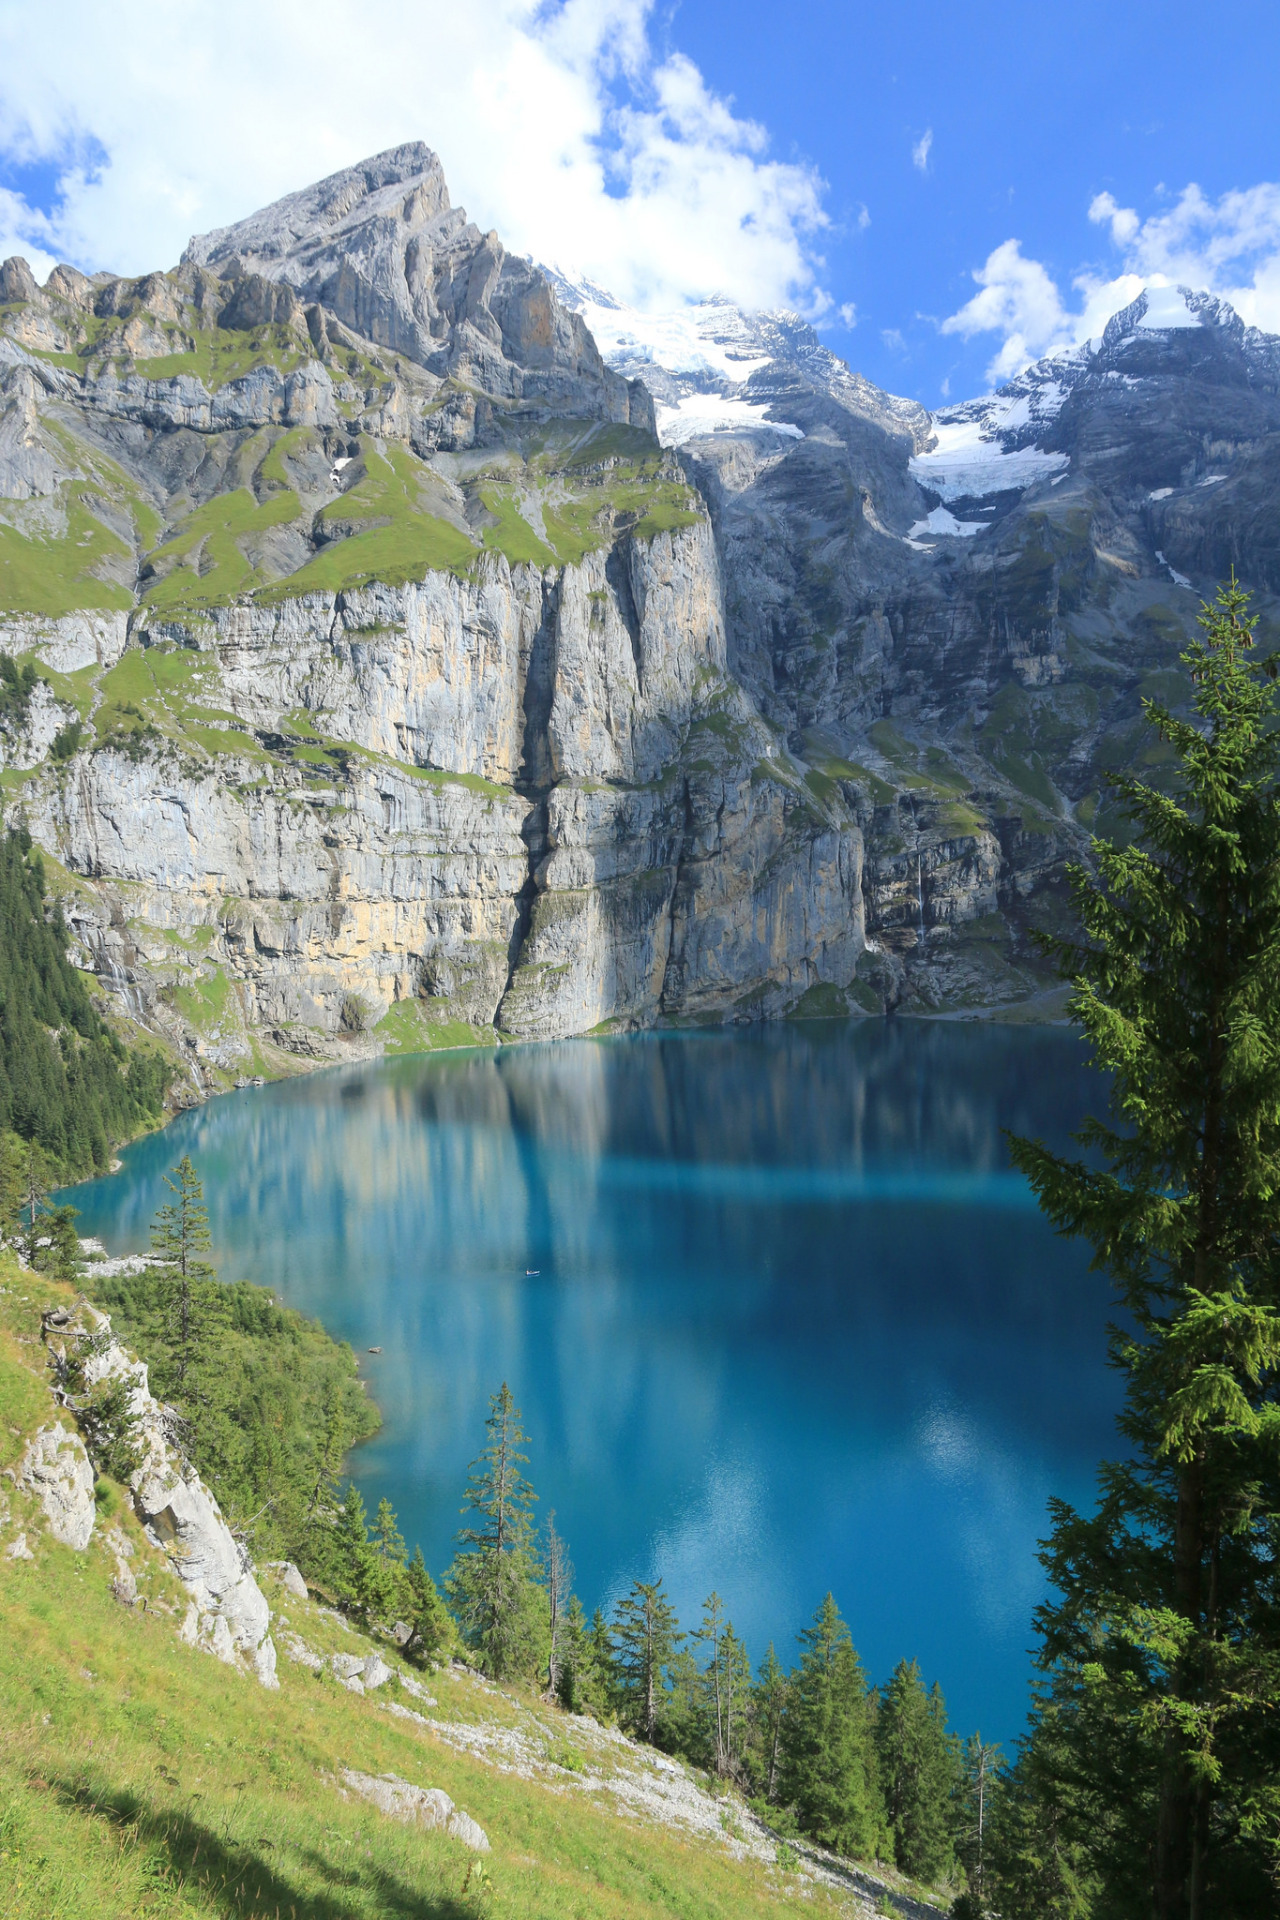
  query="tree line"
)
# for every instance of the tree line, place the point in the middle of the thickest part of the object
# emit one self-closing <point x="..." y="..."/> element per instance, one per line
<point x="69" y="1089"/>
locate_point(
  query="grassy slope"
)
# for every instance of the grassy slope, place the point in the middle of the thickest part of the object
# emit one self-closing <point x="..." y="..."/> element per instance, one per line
<point x="139" y="1776"/>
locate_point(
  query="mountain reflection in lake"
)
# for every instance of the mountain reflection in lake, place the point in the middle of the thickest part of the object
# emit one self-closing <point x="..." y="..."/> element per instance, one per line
<point x="778" y="1314"/>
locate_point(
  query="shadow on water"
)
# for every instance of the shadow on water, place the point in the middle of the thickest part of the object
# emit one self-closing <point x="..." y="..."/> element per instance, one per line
<point x="779" y="1315"/>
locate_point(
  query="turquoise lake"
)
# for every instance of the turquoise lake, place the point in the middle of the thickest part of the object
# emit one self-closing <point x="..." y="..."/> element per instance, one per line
<point x="779" y="1316"/>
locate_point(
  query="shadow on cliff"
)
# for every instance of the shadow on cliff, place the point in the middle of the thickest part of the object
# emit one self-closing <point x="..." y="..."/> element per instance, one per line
<point x="238" y="1878"/>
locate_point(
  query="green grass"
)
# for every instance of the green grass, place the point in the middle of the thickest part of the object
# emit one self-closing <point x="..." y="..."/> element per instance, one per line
<point x="416" y="1026"/>
<point x="204" y="564"/>
<point x="406" y="541"/>
<point x="203" y="1002"/>
<point x="513" y="535"/>
<point x="59" y="574"/>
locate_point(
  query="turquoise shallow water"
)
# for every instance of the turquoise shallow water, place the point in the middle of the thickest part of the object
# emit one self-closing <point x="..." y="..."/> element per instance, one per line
<point x="779" y="1315"/>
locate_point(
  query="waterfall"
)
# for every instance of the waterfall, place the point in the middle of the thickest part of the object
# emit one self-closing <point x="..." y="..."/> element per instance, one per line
<point x="920" y="897"/>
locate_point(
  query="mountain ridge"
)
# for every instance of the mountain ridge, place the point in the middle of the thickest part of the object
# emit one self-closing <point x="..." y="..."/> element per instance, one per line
<point x="420" y="694"/>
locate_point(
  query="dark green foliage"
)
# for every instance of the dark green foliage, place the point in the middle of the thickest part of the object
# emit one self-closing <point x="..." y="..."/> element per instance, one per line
<point x="66" y="741"/>
<point x="284" y="1404"/>
<point x="645" y="1638"/>
<point x="769" y="1702"/>
<point x="1154" y="1762"/>
<point x="495" y="1583"/>
<point x="66" y="1083"/>
<point x="827" y="1760"/>
<point x="584" y="1681"/>
<point x="425" y="1613"/>
<point x="192" y="1305"/>
<point x="920" y="1774"/>
<point x="17" y="684"/>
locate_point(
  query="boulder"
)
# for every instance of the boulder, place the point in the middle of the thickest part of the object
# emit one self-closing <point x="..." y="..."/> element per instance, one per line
<point x="288" y="1576"/>
<point x="418" y="1806"/>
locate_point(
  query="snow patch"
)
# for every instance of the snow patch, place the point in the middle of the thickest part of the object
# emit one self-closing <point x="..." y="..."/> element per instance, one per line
<point x="945" y="522"/>
<point x="966" y="461"/>
<point x="1179" y="579"/>
<point x="1211" y="480"/>
<point x="682" y="342"/>
<point x="1160" y="493"/>
<point x="702" y="413"/>
<point x="1167" y="309"/>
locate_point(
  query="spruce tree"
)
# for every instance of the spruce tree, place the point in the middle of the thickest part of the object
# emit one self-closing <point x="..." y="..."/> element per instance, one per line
<point x="432" y="1629"/>
<point x="646" y="1634"/>
<point x="827" y="1761"/>
<point x="192" y="1305"/>
<point x="769" y="1707"/>
<point x="494" y="1584"/>
<point x="559" y="1570"/>
<point x="919" y="1773"/>
<point x="1159" y="1727"/>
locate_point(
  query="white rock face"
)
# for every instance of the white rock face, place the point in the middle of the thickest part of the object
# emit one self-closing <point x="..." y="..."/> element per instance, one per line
<point x="289" y="1577"/>
<point x="420" y="1806"/>
<point x="56" y="1467"/>
<point x="228" y="1614"/>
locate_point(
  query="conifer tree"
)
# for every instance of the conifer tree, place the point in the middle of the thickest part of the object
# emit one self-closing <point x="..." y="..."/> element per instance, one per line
<point x="585" y="1679"/>
<point x="559" y="1569"/>
<point x="919" y="1773"/>
<point x="494" y="1584"/>
<point x="432" y="1630"/>
<point x="356" y="1572"/>
<point x="981" y="1767"/>
<point x="827" y="1758"/>
<point x="1162" y="1646"/>
<point x="191" y="1303"/>
<point x="769" y="1702"/>
<point x="646" y="1634"/>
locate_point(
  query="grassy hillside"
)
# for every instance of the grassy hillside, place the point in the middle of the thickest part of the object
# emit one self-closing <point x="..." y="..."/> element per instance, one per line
<point x="140" y="1776"/>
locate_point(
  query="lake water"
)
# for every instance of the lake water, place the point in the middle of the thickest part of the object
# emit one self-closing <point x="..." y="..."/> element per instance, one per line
<point x="778" y="1314"/>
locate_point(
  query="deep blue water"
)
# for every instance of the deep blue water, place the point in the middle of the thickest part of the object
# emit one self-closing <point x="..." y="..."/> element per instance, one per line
<point x="792" y="1324"/>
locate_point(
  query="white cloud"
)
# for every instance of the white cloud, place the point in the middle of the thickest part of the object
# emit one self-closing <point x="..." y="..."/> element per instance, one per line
<point x="561" y="126"/>
<point x="849" y="314"/>
<point x="920" y="151"/>
<point x="1230" y="247"/>
<point x="864" y="219"/>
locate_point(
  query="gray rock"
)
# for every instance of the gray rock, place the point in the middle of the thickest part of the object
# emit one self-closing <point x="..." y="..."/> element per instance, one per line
<point x="419" y="1806"/>
<point x="18" y="1549"/>
<point x="288" y="1576"/>
<point x="227" y="1615"/>
<point x="56" y="1467"/>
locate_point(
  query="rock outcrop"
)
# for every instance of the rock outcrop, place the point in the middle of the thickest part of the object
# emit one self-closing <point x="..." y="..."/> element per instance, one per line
<point x="228" y="1614"/>
<point x="428" y="1807"/>
<point x="56" y="1468"/>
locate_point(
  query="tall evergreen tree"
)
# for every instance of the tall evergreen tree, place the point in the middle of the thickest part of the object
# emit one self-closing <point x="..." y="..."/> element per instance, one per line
<point x="192" y="1304"/>
<point x="646" y="1635"/>
<point x="919" y="1769"/>
<point x="559" y="1570"/>
<point x="494" y="1584"/>
<point x="827" y="1769"/>
<point x="428" y="1617"/>
<point x="771" y="1696"/>
<point x="1162" y="1645"/>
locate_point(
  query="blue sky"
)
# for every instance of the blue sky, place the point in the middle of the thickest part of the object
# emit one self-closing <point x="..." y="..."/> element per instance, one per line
<point x="1034" y="111"/>
<point x="862" y="164"/>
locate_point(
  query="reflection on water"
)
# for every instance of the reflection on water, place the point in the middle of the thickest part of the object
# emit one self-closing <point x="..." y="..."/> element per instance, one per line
<point x="778" y="1314"/>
